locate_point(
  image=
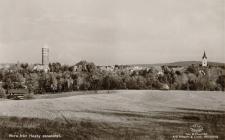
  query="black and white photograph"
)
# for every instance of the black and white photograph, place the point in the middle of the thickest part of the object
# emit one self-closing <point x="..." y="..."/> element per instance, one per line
<point x="112" y="69"/>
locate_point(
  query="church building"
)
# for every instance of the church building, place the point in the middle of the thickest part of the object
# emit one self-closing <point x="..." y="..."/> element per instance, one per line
<point x="204" y="60"/>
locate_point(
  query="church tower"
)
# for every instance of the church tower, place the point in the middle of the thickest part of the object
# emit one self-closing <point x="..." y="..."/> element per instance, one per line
<point x="45" y="55"/>
<point x="204" y="60"/>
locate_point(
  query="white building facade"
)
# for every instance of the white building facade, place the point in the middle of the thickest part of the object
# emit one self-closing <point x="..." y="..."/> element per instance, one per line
<point x="45" y="60"/>
<point x="45" y="55"/>
<point x="204" y="60"/>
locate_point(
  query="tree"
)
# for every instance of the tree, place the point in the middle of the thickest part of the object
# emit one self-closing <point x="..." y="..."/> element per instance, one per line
<point x="106" y="82"/>
<point x="8" y="83"/>
<point x="178" y="72"/>
<point x="141" y="82"/>
<point x="134" y="73"/>
<point x="2" y="92"/>
<point x="54" y="84"/>
<point x="162" y="79"/>
<point x="204" y="82"/>
<point x="149" y="83"/>
<point x="192" y="69"/>
<point x="68" y="84"/>
<point x="96" y="82"/>
<point x="144" y="73"/>
<point x="166" y="69"/>
<point x="2" y="75"/>
<point x="56" y="67"/>
<point x="91" y="67"/>
<point x="28" y="69"/>
<point x="32" y="83"/>
<point x="17" y="78"/>
<point x="85" y="85"/>
<point x="64" y="68"/>
<point x="71" y="68"/>
<point x="74" y="78"/>
<point x="116" y="82"/>
<point x="24" y="66"/>
<point x="157" y="85"/>
<point x="124" y="80"/>
<point x="131" y="83"/>
<point x="59" y="86"/>
<point x="79" y="82"/>
<point x="221" y="81"/>
<point x="42" y="79"/>
<point x="41" y="83"/>
<point x="50" y="65"/>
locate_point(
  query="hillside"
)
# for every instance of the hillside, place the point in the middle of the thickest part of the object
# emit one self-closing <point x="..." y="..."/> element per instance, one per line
<point x="180" y="63"/>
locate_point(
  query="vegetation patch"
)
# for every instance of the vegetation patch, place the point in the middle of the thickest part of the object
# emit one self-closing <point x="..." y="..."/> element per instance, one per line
<point x="29" y="96"/>
<point x="86" y="76"/>
<point x="191" y="118"/>
<point x="147" y="128"/>
<point x="2" y="92"/>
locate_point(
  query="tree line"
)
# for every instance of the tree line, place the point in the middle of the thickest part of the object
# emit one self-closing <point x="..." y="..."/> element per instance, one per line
<point x="63" y="78"/>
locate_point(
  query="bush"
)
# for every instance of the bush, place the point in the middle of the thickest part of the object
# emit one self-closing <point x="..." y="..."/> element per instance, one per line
<point x="221" y="82"/>
<point x="28" y="96"/>
<point x="178" y="72"/>
<point x="2" y="92"/>
<point x="157" y="85"/>
<point x="192" y="69"/>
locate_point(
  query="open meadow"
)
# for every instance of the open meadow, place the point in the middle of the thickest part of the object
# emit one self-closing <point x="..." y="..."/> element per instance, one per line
<point x="119" y="114"/>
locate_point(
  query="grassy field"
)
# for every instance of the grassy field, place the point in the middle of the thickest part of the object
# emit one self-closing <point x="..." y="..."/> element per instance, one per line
<point x="128" y="114"/>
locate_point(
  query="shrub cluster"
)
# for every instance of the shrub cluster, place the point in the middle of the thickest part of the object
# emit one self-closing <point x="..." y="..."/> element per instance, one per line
<point x="29" y="96"/>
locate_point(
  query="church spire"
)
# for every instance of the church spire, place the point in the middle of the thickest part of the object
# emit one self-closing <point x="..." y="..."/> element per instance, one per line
<point x="204" y="55"/>
<point x="204" y="60"/>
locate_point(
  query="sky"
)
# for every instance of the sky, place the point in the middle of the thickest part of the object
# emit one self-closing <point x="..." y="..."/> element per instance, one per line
<point x="108" y="32"/>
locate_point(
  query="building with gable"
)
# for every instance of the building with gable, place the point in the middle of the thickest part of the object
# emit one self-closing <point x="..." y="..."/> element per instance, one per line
<point x="81" y="66"/>
<point x="204" y="60"/>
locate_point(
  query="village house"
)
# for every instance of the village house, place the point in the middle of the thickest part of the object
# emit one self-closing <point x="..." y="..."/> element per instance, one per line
<point x="102" y="68"/>
<point x="81" y="66"/>
<point x="4" y="66"/>
<point x="180" y="69"/>
<point x="42" y="67"/>
<point x="109" y="68"/>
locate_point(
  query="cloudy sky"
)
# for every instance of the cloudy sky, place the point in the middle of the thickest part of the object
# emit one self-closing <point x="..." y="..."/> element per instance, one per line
<point x="110" y="32"/>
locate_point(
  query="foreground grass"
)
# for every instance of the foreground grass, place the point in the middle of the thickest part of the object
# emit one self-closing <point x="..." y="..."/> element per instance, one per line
<point x="119" y="115"/>
<point x="161" y="125"/>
